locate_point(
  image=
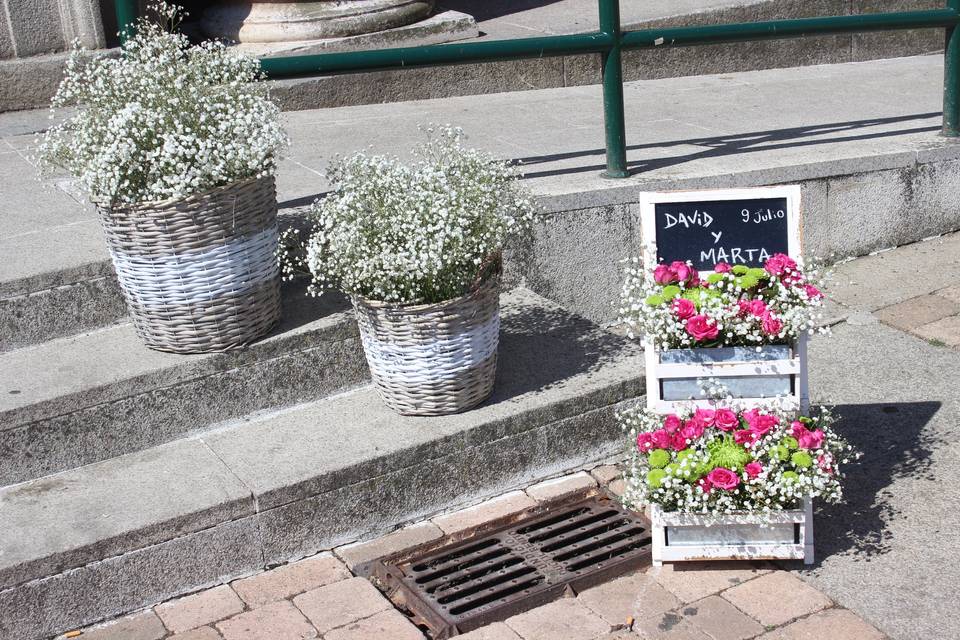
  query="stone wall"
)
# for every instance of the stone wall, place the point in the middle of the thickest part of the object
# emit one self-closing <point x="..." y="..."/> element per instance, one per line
<point x="37" y="27"/>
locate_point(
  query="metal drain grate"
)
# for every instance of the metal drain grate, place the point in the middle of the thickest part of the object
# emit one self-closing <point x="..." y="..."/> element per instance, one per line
<point x="533" y="561"/>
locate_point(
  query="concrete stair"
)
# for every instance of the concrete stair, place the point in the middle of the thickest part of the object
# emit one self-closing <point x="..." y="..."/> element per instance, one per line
<point x="85" y="398"/>
<point x="129" y="476"/>
<point x="181" y="511"/>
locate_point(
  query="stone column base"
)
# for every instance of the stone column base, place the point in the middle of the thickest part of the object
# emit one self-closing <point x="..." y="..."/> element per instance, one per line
<point x="248" y="22"/>
<point x="447" y="26"/>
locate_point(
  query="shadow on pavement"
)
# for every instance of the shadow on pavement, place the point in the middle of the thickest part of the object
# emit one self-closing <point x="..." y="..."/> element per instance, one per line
<point x="894" y="444"/>
<point x="724" y="145"/>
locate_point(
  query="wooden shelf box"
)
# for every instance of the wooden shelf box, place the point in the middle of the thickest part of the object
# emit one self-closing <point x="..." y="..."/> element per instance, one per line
<point x="779" y="535"/>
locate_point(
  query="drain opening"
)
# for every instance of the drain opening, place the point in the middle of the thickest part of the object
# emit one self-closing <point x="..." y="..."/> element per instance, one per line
<point x="535" y="560"/>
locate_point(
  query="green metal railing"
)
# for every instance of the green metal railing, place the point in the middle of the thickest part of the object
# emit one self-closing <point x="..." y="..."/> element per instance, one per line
<point x="610" y="41"/>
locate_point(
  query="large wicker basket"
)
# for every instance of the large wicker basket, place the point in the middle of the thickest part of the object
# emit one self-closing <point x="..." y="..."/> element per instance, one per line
<point x="199" y="273"/>
<point x="433" y="359"/>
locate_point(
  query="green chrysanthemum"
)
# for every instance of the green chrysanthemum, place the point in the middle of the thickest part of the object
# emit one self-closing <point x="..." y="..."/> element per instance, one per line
<point x="714" y="278"/>
<point x="740" y="269"/>
<point x="670" y="292"/>
<point x="695" y="295"/>
<point x="655" y="477"/>
<point x="790" y="443"/>
<point x="727" y="453"/>
<point x="780" y="452"/>
<point x="790" y="476"/>
<point x="655" y="300"/>
<point x="757" y="272"/>
<point x="658" y="458"/>
<point x="801" y="460"/>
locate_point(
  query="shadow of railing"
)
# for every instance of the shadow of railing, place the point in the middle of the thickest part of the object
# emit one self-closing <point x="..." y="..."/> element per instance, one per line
<point x="724" y="145"/>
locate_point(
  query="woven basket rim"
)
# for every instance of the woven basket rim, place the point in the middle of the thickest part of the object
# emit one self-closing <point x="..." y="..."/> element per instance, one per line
<point x="417" y="307"/>
<point x="150" y="205"/>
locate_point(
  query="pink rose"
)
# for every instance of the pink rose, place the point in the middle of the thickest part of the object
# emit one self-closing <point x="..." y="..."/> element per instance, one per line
<point x="811" y="439"/>
<point x="796" y="428"/>
<point x="684" y="272"/>
<point x="645" y="442"/>
<point x="812" y="292"/>
<point x="664" y="275"/>
<point x="779" y="264"/>
<point x="683" y="308"/>
<point x="692" y="429"/>
<point x="671" y="423"/>
<point x="706" y="417"/>
<point x="725" y="420"/>
<point x="757" y="307"/>
<point x="722" y="267"/>
<point x="678" y="442"/>
<point x="746" y="437"/>
<point x="723" y="479"/>
<point x="770" y="324"/>
<point x="753" y="469"/>
<point x="761" y="423"/>
<point x="704" y="485"/>
<point x="744" y="307"/>
<point x="661" y="439"/>
<point x="702" y="328"/>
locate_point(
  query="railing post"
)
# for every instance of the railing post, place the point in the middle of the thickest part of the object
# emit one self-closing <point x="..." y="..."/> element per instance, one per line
<point x="612" y="71"/>
<point x="951" y="77"/>
<point x="126" y="12"/>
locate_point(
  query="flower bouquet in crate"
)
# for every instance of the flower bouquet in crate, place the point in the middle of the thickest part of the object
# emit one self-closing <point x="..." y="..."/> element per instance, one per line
<point x="732" y="483"/>
<point x="744" y="325"/>
<point x="417" y="248"/>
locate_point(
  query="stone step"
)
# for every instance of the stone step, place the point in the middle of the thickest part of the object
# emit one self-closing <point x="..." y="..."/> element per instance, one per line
<point x="33" y="80"/>
<point x="862" y="140"/>
<point x="110" y="537"/>
<point x="77" y="400"/>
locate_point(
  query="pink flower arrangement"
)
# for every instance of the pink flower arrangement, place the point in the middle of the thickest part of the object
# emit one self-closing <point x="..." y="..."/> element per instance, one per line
<point x="736" y="305"/>
<point x="723" y="459"/>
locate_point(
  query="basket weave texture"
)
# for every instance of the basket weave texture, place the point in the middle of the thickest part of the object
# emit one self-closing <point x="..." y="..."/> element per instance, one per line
<point x="433" y="359"/>
<point x="199" y="273"/>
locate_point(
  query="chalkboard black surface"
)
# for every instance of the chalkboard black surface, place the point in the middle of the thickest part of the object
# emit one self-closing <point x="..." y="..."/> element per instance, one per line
<point x="743" y="231"/>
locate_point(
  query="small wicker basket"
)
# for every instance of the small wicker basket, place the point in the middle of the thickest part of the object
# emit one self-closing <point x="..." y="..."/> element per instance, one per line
<point x="433" y="359"/>
<point x="199" y="273"/>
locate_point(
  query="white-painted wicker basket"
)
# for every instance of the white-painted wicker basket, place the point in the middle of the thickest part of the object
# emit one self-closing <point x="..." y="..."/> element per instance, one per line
<point x="433" y="359"/>
<point x="199" y="273"/>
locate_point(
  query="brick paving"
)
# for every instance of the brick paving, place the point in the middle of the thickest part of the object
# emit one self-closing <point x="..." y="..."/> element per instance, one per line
<point x="320" y="597"/>
<point x="934" y="316"/>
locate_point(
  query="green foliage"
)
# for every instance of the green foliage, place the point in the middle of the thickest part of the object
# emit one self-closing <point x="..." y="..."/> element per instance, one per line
<point x="671" y="291"/>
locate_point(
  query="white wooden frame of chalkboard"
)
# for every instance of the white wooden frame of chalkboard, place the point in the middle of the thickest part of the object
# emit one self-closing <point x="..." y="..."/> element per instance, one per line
<point x="796" y="366"/>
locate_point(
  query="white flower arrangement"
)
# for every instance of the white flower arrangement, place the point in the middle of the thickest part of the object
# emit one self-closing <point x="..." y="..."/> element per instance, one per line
<point x="164" y="119"/>
<point x="411" y="233"/>
<point x="727" y="460"/>
<point x="736" y="305"/>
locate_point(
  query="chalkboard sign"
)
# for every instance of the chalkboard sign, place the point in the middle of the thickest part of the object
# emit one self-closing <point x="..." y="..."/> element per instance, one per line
<point x="737" y="226"/>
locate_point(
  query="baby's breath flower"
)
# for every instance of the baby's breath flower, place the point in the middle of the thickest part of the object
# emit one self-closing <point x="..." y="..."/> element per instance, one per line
<point x="164" y="119"/>
<point x="416" y="232"/>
